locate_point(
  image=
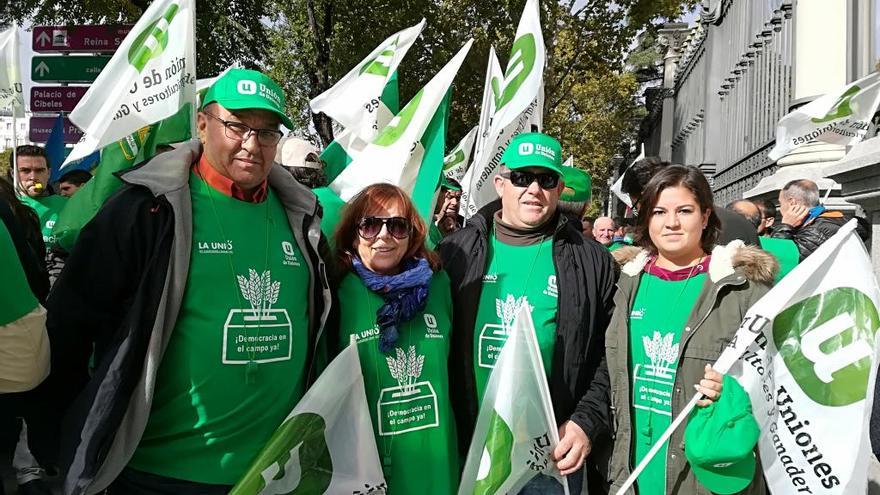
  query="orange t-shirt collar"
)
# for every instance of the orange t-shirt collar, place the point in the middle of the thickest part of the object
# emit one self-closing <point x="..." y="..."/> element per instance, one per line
<point x="226" y="186"/>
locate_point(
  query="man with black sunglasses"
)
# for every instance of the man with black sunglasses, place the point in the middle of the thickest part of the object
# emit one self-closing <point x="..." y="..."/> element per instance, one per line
<point x="201" y="289"/>
<point x="519" y="251"/>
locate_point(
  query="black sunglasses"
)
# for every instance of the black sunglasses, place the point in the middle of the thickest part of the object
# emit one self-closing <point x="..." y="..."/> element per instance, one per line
<point x="519" y="178"/>
<point x="370" y="227"/>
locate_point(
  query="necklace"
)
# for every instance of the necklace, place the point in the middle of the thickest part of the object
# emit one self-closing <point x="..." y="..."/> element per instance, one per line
<point x="497" y="260"/>
<point x="387" y="445"/>
<point x="252" y="366"/>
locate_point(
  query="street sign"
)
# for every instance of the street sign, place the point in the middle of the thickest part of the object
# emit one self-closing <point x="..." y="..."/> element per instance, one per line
<point x="41" y="127"/>
<point x="67" y="69"/>
<point x="56" y="98"/>
<point x="92" y="39"/>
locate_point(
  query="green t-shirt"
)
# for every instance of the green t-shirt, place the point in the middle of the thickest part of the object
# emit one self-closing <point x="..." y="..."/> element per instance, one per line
<point x="408" y="388"/>
<point x="658" y="316"/>
<point x="16" y="298"/>
<point x="235" y="362"/>
<point x="785" y="251"/>
<point x="47" y="208"/>
<point x="516" y="274"/>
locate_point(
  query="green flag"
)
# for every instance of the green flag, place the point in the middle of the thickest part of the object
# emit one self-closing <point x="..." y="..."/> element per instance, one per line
<point x="338" y="154"/>
<point x="431" y="168"/>
<point x="123" y="154"/>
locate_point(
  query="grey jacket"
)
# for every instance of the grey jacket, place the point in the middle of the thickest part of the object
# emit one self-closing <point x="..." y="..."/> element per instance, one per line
<point x="127" y="361"/>
<point x="738" y="276"/>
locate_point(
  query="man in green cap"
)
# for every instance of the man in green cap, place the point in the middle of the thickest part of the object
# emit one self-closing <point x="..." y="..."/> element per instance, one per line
<point x="575" y="198"/>
<point x="201" y="287"/>
<point x="521" y="251"/>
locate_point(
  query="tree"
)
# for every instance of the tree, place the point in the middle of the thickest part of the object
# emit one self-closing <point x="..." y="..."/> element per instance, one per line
<point x="227" y="32"/>
<point x="589" y="99"/>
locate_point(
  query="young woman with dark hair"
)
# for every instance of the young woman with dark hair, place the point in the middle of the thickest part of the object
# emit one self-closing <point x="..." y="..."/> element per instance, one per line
<point x="680" y="300"/>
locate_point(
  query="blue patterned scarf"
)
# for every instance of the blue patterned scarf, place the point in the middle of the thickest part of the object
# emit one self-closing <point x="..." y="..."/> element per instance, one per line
<point x="405" y="294"/>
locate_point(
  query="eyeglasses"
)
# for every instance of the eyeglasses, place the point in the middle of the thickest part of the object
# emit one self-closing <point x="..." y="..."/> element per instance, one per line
<point x="370" y="227"/>
<point x="241" y="132"/>
<point x="519" y="178"/>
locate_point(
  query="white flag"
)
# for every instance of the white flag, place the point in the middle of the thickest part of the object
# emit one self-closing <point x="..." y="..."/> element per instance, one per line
<point x="494" y="75"/>
<point x="150" y="77"/>
<point x="811" y="367"/>
<point x="362" y="87"/>
<point x="326" y="444"/>
<point x="515" y="432"/>
<point x="456" y="162"/>
<point x="395" y="154"/>
<point x="617" y="187"/>
<point x="841" y="117"/>
<point x="10" y="73"/>
<point x="519" y="102"/>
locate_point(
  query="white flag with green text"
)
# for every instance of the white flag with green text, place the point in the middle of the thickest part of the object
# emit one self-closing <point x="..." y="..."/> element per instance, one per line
<point x="518" y="101"/>
<point x="395" y="154"/>
<point x="515" y="432"/>
<point x="807" y="354"/>
<point x="151" y="77"/>
<point x="326" y="445"/>
<point x="840" y="117"/>
<point x="455" y="164"/>
<point x="354" y="101"/>
<point x="10" y="72"/>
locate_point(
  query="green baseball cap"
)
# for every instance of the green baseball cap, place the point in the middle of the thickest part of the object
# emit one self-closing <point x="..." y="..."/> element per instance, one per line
<point x="720" y="439"/>
<point x="241" y="89"/>
<point x="449" y="183"/>
<point x="578" y="185"/>
<point x="533" y="149"/>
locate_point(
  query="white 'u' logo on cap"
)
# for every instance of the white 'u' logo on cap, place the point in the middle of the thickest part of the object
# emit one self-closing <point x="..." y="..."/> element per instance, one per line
<point x="526" y="148"/>
<point x="247" y="87"/>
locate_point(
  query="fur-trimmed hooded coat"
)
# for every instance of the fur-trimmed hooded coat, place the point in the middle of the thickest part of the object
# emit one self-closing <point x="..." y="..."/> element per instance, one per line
<point x="738" y="276"/>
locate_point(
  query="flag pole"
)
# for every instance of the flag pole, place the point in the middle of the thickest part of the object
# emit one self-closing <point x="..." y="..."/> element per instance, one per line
<point x="659" y="444"/>
<point x="15" y="184"/>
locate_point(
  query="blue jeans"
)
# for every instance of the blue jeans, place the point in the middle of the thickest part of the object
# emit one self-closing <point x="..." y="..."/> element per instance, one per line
<point x="547" y="485"/>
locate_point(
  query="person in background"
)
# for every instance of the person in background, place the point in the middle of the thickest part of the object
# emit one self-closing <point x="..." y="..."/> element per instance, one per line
<point x="70" y="182"/>
<point x="24" y="343"/>
<point x="804" y="220"/>
<point x="603" y="231"/>
<point x="32" y="167"/>
<point x="587" y="227"/>
<point x="446" y="217"/>
<point x="681" y="295"/>
<point x="768" y="215"/>
<point x="517" y="251"/>
<point x="396" y="302"/>
<point x="747" y="210"/>
<point x="575" y="198"/>
<point x="302" y="159"/>
<point x="227" y="251"/>
<point x="784" y="250"/>
<point x="733" y="226"/>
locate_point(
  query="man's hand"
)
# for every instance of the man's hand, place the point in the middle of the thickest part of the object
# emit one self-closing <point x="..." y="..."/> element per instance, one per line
<point x="793" y="214"/>
<point x="574" y="446"/>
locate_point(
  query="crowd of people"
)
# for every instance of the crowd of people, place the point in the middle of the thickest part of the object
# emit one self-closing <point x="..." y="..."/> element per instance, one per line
<point x="142" y="370"/>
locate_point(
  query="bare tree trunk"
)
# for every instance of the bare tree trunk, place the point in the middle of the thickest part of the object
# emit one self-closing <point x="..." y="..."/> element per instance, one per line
<point x="322" y="31"/>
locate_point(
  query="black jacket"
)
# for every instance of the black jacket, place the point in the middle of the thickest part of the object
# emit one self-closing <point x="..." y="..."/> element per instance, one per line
<point x="809" y="237"/>
<point x="586" y="281"/>
<point x="121" y="291"/>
